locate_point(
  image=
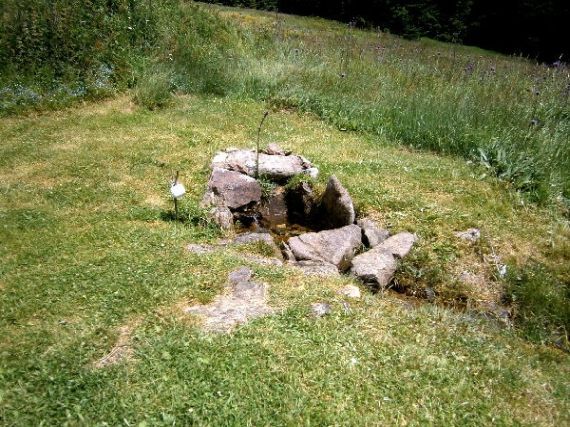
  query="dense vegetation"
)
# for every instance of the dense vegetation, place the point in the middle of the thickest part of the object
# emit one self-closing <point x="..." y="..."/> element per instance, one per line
<point x="531" y="28"/>
<point x="509" y="115"/>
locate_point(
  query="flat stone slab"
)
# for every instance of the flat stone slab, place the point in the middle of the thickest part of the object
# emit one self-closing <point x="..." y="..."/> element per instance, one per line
<point x="252" y="237"/>
<point x="244" y="300"/>
<point x="317" y="268"/>
<point x="336" y="246"/>
<point x="232" y="189"/>
<point x="273" y="166"/>
<point x="198" y="248"/>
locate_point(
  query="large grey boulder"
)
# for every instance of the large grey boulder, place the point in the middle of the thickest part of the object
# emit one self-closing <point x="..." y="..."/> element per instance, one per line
<point x="232" y="189"/>
<point x="336" y="205"/>
<point x="273" y="166"/>
<point x="378" y="265"/>
<point x="399" y="245"/>
<point x="336" y="246"/>
<point x="372" y="234"/>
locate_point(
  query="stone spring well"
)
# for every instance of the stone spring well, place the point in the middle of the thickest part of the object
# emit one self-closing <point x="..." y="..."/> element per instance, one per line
<point x="269" y="197"/>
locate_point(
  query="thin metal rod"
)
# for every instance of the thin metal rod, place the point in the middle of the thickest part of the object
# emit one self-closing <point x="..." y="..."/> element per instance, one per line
<point x="257" y="144"/>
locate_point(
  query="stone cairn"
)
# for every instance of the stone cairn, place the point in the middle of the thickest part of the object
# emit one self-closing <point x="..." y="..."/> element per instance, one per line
<point x="319" y="234"/>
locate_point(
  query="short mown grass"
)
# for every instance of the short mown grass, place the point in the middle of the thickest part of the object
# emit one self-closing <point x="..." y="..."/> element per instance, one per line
<point x="88" y="245"/>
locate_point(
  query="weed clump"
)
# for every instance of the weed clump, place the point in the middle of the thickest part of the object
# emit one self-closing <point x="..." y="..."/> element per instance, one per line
<point x="542" y="302"/>
<point x="154" y="89"/>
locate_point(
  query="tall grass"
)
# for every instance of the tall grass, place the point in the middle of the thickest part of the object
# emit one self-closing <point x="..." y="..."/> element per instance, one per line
<point x="508" y="114"/>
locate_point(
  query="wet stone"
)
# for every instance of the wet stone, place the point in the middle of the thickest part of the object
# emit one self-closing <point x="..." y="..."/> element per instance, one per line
<point x="336" y="206"/>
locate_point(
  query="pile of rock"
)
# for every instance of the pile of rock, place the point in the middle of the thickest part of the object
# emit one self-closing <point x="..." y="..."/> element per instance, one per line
<point x="234" y="192"/>
<point x="341" y="244"/>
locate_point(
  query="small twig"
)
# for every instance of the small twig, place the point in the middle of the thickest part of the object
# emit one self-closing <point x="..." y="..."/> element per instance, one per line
<point x="257" y="144"/>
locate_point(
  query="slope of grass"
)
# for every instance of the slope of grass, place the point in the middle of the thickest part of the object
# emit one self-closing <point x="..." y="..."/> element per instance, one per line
<point x="508" y="114"/>
<point x="87" y="247"/>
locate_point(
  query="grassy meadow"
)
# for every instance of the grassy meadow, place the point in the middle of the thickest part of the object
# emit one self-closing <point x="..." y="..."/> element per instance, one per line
<point x="427" y="137"/>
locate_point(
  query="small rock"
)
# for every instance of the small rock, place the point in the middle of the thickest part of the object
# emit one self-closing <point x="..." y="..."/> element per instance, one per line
<point x="223" y="217"/>
<point x="317" y="268"/>
<point x="234" y="189"/>
<point x="398" y="245"/>
<point x="336" y="206"/>
<point x="320" y="309"/>
<point x="274" y="150"/>
<point x="336" y="246"/>
<point x="350" y="291"/>
<point x="371" y="233"/>
<point x="345" y="306"/>
<point x="472" y="234"/>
